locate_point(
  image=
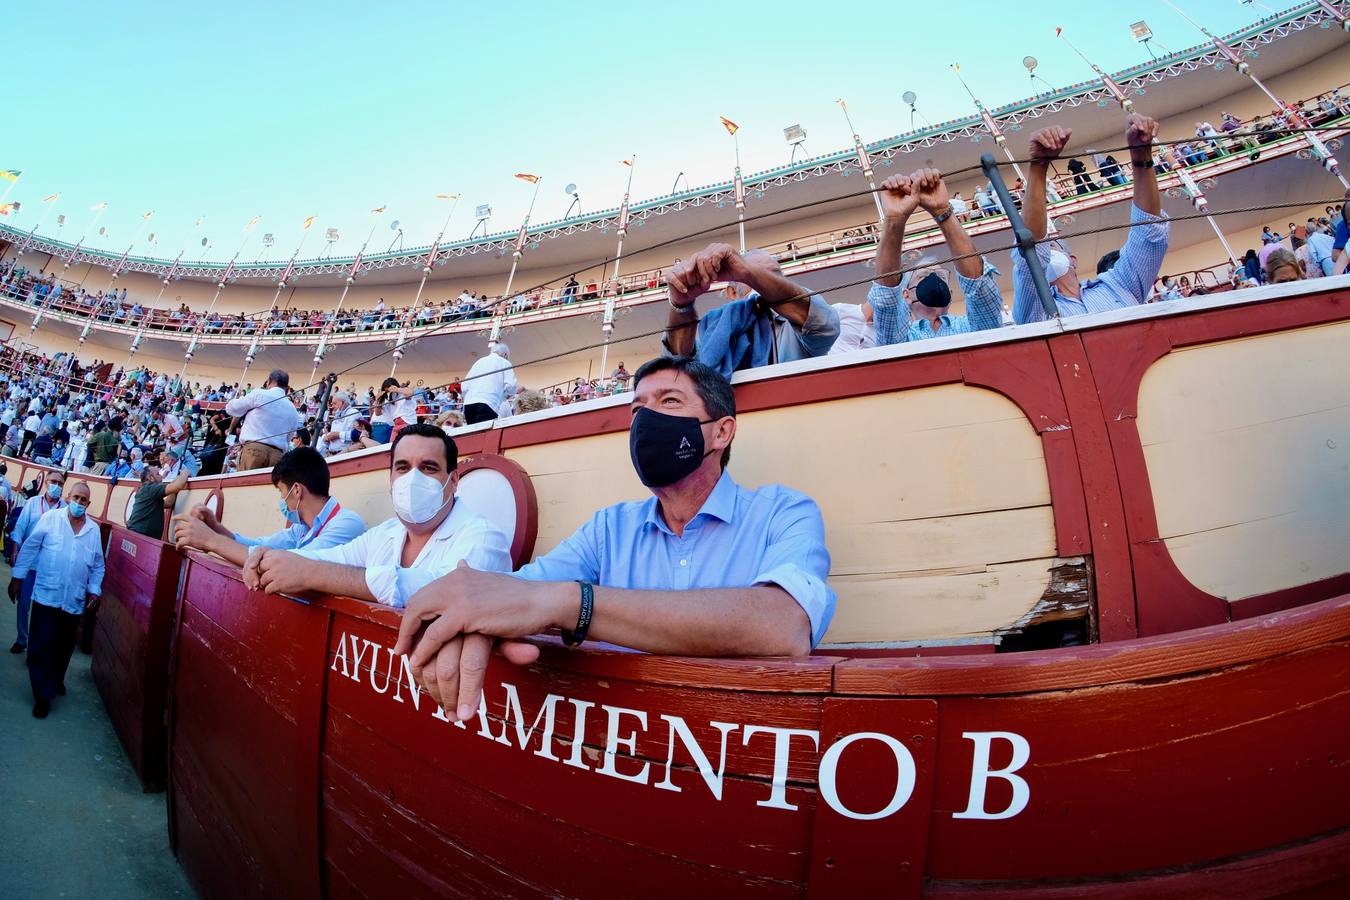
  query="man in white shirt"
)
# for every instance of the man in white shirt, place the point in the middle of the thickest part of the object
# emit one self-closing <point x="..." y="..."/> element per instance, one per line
<point x="65" y="552"/>
<point x="269" y="419"/>
<point x="32" y="511"/>
<point x="314" y="520"/>
<point x="856" y="331"/>
<point x="488" y="382"/>
<point x="30" y="429"/>
<point x="429" y="536"/>
<point x="344" y="422"/>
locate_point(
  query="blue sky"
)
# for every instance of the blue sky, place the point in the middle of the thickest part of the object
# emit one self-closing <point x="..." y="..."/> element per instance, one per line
<point x="231" y="111"/>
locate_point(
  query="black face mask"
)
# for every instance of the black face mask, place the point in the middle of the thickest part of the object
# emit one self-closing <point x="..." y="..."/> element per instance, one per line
<point x="665" y="448"/>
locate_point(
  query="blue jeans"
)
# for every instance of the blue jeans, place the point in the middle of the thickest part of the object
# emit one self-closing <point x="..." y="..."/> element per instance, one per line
<point x="25" y="607"/>
<point x="380" y="431"/>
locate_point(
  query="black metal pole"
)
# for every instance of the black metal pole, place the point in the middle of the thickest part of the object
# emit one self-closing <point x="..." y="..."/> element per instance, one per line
<point x="325" y="392"/>
<point x="1026" y="244"/>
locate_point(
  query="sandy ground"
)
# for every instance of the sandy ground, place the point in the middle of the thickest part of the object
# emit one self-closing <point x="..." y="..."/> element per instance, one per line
<point x="73" y="820"/>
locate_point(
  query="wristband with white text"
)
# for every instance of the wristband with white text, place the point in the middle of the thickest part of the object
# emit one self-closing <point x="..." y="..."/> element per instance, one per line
<point x="574" y="637"/>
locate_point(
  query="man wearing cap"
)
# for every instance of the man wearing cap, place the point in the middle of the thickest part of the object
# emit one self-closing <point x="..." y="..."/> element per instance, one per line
<point x="1129" y="282"/>
<point x="915" y="307"/>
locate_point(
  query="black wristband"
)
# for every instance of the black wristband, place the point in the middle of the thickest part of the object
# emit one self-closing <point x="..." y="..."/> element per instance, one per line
<point x="575" y="637"/>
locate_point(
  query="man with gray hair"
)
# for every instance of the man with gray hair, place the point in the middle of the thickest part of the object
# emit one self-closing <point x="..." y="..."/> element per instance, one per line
<point x="488" y="382"/>
<point x="339" y="435"/>
<point x="915" y="307"/>
<point x="269" y="420"/>
<point x="779" y="321"/>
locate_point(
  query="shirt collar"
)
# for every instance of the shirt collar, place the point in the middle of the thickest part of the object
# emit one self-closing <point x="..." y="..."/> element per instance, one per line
<point x="721" y="504"/>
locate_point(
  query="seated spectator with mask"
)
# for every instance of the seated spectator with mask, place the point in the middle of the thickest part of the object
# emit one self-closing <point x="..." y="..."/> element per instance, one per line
<point x="1129" y="281"/>
<point x="703" y="567"/>
<point x="314" y="519"/>
<point x="778" y="322"/>
<point x="915" y="307"/>
<point x="430" y="534"/>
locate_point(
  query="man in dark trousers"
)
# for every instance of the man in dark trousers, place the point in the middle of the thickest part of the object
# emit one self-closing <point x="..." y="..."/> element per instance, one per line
<point x="66" y="553"/>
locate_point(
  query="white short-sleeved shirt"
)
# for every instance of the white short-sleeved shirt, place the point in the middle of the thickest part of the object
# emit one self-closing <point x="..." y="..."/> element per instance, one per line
<point x="463" y="535"/>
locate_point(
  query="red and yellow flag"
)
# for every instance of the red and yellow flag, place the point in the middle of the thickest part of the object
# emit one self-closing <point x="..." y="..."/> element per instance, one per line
<point x="10" y="174"/>
<point x="308" y="222"/>
<point x="7" y="208"/>
<point x="525" y="176"/>
<point x="729" y="125"/>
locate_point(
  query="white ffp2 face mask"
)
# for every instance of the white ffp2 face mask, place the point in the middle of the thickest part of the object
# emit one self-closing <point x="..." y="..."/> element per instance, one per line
<point x="418" y="497"/>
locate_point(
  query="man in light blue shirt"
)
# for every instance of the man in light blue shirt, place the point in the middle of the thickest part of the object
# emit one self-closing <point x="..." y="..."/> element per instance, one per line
<point x="36" y="507"/>
<point x="1129" y="282"/>
<point x="315" y="520"/>
<point x="914" y="307"/>
<point x="704" y="567"/>
<point x="779" y="321"/>
<point x="65" y="553"/>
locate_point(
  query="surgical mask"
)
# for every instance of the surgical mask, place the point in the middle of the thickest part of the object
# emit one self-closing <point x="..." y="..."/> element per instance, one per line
<point x="665" y="448"/>
<point x="292" y="515"/>
<point x="1057" y="266"/>
<point x="418" y="497"/>
<point x="53" y="492"/>
<point x="77" y="509"/>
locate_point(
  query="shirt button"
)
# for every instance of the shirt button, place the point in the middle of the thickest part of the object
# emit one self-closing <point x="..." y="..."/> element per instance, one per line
<point x="684" y="562"/>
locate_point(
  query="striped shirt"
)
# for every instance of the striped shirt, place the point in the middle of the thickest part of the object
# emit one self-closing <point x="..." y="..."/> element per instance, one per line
<point x="1128" y="283"/>
<point x="891" y="313"/>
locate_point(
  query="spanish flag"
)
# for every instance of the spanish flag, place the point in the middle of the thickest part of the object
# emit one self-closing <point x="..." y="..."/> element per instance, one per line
<point x="626" y="162"/>
<point x="532" y="179"/>
<point x="7" y="208"/>
<point x="10" y="174"/>
<point x="308" y="222"/>
<point x="378" y="210"/>
<point x="729" y="125"/>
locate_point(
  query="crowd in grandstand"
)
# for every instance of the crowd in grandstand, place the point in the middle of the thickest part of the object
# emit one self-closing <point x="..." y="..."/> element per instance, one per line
<point x="1232" y="136"/>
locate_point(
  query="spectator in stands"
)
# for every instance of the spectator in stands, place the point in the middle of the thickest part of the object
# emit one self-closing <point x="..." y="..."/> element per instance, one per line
<point x="153" y="497"/>
<point x="32" y="511"/>
<point x="778" y="322"/>
<point x="489" y="382"/>
<point x="313" y="518"/>
<point x="1320" y="245"/>
<point x="1251" y="267"/>
<point x="755" y="585"/>
<point x="1297" y="235"/>
<point x="30" y="429"/>
<point x="1282" y="266"/>
<point x="430" y="534"/>
<point x="621" y="377"/>
<point x="64" y="554"/>
<point x="915" y="307"/>
<point x="269" y="419"/>
<point x="1130" y="280"/>
<point x="339" y="436"/>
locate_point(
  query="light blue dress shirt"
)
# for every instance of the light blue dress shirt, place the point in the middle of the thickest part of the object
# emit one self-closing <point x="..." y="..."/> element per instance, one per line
<point x="984" y="308"/>
<point x="345" y="527"/>
<point x="1128" y="283"/>
<point x="740" y="538"/>
<point x="68" y="565"/>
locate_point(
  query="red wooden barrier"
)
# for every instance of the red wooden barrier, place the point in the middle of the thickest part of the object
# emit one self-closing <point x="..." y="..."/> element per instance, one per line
<point x="245" y="727"/>
<point x="131" y="646"/>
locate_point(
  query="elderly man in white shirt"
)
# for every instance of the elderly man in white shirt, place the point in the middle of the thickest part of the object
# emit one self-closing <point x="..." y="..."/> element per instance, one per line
<point x="488" y="382"/>
<point x="339" y="435"/>
<point x="66" y="553"/>
<point x="430" y="535"/>
<point x="269" y="420"/>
